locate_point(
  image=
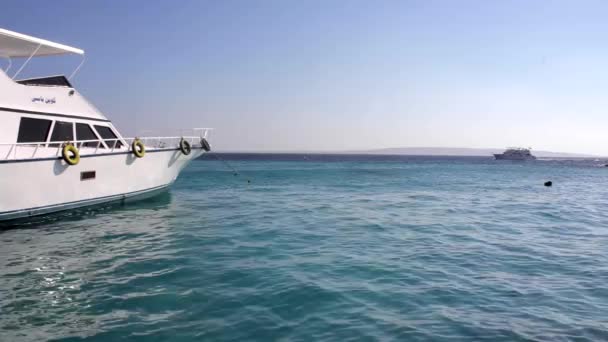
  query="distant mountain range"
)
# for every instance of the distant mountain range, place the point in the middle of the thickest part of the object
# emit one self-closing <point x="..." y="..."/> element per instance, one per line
<point x="461" y="151"/>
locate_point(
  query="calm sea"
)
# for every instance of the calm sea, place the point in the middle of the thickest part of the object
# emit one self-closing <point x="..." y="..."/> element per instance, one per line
<point x="323" y="248"/>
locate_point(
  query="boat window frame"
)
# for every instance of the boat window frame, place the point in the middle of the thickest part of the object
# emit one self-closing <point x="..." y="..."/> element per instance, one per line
<point x="48" y="133"/>
<point x="103" y="144"/>
<point x="57" y="143"/>
<point x="48" y="141"/>
<point x="118" y="140"/>
<point x="48" y="136"/>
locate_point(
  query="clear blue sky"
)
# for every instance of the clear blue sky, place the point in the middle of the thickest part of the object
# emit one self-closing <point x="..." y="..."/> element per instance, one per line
<point x="341" y="75"/>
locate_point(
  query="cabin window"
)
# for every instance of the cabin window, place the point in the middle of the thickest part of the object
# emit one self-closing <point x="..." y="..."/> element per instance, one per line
<point x="33" y="130"/>
<point x="63" y="131"/>
<point x="85" y="132"/>
<point x="109" y="137"/>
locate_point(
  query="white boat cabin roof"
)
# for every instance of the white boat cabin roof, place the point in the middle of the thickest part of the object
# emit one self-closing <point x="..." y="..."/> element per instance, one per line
<point x="15" y="45"/>
<point x="51" y="96"/>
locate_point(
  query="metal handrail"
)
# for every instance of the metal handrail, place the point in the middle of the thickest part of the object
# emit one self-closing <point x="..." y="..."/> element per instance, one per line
<point x="189" y="138"/>
<point x="118" y="143"/>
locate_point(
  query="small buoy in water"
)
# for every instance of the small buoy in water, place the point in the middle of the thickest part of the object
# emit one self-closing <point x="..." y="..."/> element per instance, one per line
<point x="548" y="183"/>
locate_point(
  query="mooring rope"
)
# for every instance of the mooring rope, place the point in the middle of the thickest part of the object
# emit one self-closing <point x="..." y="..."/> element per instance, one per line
<point x="235" y="172"/>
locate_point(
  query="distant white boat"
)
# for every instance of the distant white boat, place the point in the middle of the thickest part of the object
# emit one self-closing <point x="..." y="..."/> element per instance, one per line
<point x="57" y="151"/>
<point x="515" y="153"/>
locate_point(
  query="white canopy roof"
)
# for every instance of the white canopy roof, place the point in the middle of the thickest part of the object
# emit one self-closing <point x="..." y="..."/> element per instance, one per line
<point x="13" y="44"/>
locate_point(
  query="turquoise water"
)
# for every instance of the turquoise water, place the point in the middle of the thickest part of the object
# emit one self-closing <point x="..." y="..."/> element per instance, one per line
<point x="323" y="248"/>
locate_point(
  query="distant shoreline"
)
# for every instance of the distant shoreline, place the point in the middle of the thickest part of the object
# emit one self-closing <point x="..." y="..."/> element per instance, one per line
<point x="434" y="151"/>
<point x="341" y="153"/>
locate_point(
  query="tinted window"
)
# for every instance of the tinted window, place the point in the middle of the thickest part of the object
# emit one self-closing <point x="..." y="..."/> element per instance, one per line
<point x="33" y="130"/>
<point x="85" y="132"/>
<point x="106" y="133"/>
<point x="63" y="131"/>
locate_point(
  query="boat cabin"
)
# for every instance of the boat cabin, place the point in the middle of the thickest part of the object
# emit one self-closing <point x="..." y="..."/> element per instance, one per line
<point x="45" y="112"/>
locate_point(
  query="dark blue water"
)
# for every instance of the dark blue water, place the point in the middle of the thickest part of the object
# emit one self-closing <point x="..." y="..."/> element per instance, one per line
<point x="307" y="248"/>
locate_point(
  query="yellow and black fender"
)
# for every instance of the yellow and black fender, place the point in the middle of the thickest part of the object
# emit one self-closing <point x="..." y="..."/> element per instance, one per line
<point x="70" y="154"/>
<point x="205" y="145"/>
<point x="138" y="148"/>
<point x="185" y="147"/>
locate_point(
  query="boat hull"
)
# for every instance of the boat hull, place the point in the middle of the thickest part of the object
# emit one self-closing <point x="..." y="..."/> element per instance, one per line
<point x="503" y="157"/>
<point x="34" y="187"/>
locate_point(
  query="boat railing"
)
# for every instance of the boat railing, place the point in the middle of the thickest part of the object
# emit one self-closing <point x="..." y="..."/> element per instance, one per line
<point x="161" y="142"/>
<point x="29" y="150"/>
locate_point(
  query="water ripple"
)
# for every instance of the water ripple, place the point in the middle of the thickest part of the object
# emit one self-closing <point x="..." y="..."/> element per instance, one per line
<point x="417" y="250"/>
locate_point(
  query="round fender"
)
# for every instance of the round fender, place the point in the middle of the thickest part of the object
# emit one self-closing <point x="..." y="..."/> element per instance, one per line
<point x="185" y="147"/>
<point x="70" y="154"/>
<point x="205" y="145"/>
<point x="138" y="148"/>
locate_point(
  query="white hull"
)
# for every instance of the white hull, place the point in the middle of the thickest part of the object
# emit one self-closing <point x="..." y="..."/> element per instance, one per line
<point x="39" y="186"/>
<point x="46" y="125"/>
<point x="513" y="157"/>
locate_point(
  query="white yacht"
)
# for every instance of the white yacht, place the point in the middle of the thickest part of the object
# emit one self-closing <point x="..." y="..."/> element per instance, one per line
<point x="58" y="152"/>
<point x="515" y="153"/>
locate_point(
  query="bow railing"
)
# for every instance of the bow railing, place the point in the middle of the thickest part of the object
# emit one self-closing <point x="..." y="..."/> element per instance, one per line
<point x="29" y="150"/>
